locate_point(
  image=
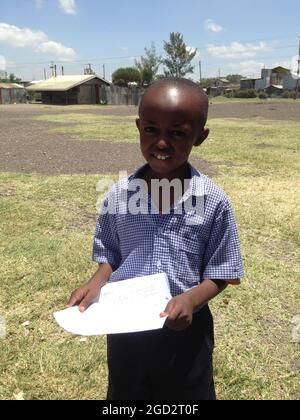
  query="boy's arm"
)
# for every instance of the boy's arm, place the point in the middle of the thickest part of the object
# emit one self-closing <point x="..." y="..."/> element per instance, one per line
<point x="222" y="261"/>
<point x="181" y="308"/>
<point x="88" y="293"/>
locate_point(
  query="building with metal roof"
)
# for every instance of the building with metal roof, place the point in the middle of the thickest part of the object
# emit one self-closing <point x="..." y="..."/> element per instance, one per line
<point x="70" y="90"/>
<point x="271" y="78"/>
<point x="12" y="93"/>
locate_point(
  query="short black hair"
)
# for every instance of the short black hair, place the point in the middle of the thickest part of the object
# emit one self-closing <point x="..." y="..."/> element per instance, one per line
<point x="181" y="82"/>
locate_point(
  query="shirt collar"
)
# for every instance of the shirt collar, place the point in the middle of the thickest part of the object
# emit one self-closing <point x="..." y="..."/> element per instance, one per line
<point x="196" y="185"/>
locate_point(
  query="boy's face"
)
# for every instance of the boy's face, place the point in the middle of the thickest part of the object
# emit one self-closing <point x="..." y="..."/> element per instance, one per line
<point x="170" y="125"/>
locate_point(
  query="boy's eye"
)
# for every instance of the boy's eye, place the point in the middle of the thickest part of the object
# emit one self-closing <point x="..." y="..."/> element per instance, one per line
<point x="177" y="133"/>
<point x="150" y="130"/>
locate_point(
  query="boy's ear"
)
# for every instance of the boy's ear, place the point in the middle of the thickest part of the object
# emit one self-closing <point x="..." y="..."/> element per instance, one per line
<point x="203" y="136"/>
<point x="137" y="123"/>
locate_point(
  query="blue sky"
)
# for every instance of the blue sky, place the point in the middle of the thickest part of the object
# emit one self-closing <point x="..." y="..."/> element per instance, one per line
<point x="231" y="37"/>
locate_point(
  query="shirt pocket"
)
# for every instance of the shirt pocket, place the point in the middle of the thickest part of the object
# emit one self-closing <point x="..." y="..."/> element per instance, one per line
<point x="189" y="262"/>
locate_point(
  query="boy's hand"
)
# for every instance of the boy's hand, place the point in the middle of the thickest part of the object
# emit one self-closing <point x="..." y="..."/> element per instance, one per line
<point x="181" y="308"/>
<point x="84" y="296"/>
<point x="90" y="292"/>
<point x="179" y="312"/>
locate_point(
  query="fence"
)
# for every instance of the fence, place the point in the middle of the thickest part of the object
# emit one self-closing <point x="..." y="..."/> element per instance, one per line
<point x="116" y="95"/>
<point x="12" y="96"/>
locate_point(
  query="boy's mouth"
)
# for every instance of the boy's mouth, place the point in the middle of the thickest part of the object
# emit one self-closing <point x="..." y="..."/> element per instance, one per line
<point x="160" y="156"/>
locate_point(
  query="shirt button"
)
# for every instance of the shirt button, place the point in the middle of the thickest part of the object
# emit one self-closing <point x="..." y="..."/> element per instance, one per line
<point x="159" y="265"/>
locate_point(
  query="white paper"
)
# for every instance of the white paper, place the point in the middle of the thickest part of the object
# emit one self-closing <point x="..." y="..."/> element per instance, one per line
<point x="126" y="306"/>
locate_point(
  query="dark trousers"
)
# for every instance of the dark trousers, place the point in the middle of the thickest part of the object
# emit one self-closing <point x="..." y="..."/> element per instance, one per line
<point x="164" y="364"/>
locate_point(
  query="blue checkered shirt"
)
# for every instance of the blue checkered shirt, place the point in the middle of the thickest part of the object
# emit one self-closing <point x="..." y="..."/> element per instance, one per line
<point x="145" y="244"/>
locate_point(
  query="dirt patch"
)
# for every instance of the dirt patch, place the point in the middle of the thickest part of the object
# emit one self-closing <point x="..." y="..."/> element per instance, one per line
<point x="285" y="111"/>
<point x="27" y="146"/>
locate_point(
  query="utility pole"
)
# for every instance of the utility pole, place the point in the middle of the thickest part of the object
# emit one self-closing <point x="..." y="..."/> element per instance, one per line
<point x="200" y="71"/>
<point x="62" y="71"/>
<point x="45" y="76"/>
<point x="104" y="71"/>
<point x="298" y="74"/>
<point x="55" y="71"/>
<point x="52" y="68"/>
<point x="88" y="69"/>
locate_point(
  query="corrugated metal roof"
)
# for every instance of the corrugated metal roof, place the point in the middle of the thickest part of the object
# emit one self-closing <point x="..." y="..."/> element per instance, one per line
<point x="62" y="83"/>
<point x="280" y="69"/>
<point x="277" y="86"/>
<point x="250" y="78"/>
<point x="11" y="86"/>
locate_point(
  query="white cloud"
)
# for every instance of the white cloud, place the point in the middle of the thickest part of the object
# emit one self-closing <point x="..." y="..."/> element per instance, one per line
<point x="57" y="49"/>
<point x="68" y="7"/>
<point x="20" y="37"/>
<point x="247" y="68"/>
<point x="237" y="50"/>
<point x="36" y="40"/>
<point x="212" y="26"/>
<point x="2" y="63"/>
<point x="292" y="64"/>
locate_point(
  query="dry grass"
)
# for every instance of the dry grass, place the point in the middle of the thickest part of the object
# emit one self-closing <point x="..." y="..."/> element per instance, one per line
<point x="45" y="248"/>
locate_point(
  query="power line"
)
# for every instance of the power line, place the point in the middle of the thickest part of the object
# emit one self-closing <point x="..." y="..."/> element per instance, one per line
<point x="162" y="53"/>
<point x="210" y="61"/>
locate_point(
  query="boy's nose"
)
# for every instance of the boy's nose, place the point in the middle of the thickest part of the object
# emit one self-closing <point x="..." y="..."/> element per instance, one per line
<point x="162" y="143"/>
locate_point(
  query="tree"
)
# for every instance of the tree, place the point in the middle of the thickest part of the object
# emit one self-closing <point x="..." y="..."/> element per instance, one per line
<point x="124" y="76"/>
<point x="148" y="65"/>
<point x="11" y="79"/>
<point x="89" y="70"/>
<point x="179" y="56"/>
<point x="234" y="78"/>
<point x="209" y="82"/>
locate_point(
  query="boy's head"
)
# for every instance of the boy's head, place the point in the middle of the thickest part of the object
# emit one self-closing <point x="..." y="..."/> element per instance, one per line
<point x="172" y="117"/>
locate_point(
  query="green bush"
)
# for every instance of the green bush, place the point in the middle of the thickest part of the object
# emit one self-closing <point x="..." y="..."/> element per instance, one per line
<point x="263" y="95"/>
<point x="289" y="94"/>
<point x="245" y="93"/>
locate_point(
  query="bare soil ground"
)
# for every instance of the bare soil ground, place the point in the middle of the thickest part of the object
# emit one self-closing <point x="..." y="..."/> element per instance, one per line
<point x="27" y="146"/>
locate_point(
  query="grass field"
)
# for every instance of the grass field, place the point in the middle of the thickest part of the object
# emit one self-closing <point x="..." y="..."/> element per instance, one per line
<point x="224" y="100"/>
<point x="45" y="244"/>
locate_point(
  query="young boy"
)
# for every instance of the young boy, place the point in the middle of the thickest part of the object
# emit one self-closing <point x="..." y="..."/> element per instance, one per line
<point x="200" y="256"/>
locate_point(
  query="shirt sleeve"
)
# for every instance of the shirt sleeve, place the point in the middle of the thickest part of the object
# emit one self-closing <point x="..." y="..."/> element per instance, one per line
<point x="106" y="242"/>
<point x="222" y="258"/>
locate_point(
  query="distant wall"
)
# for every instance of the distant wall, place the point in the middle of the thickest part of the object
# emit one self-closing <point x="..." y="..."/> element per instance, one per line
<point x="93" y="93"/>
<point x="60" y="98"/>
<point x="89" y="92"/>
<point x="12" y="96"/>
<point x="289" y="82"/>
<point x="248" y="84"/>
<point x="116" y="95"/>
